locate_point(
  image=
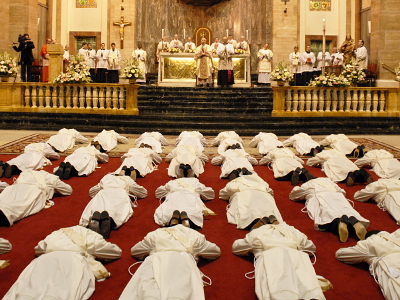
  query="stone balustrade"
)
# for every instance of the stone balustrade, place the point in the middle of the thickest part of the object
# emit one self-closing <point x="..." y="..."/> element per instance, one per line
<point x="292" y="101"/>
<point x="92" y="98"/>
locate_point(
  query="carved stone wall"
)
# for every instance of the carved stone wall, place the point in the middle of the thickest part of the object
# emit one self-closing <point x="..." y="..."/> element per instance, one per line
<point x="5" y="41"/>
<point x="174" y="16"/>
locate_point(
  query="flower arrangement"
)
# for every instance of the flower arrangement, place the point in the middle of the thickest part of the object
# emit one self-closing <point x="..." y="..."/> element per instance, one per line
<point x="353" y="73"/>
<point x="173" y="50"/>
<point x="77" y="71"/>
<point x="8" y="65"/>
<point x="282" y="73"/>
<point x="132" y="70"/>
<point x="330" y="80"/>
<point x="239" y="51"/>
<point x="190" y="50"/>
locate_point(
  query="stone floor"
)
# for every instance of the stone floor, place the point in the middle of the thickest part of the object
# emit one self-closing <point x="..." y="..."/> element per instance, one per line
<point x="7" y="136"/>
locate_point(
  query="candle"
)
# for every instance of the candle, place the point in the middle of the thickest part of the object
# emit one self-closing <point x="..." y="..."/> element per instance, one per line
<point x="227" y="33"/>
<point x="247" y="35"/>
<point x="323" y="22"/>
<point x="162" y="33"/>
<point x="184" y="34"/>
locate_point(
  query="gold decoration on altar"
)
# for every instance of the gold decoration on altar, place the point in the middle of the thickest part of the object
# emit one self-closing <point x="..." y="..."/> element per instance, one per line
<point x="324" y="5"/>
<point x="86" y="3"/>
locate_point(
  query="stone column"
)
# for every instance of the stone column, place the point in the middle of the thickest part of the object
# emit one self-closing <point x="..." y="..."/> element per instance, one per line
<point x="56" y="52"/>
<point x="5" y="39"/>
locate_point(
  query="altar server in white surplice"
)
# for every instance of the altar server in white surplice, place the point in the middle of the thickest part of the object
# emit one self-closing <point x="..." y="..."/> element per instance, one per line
<point x="382" y="162"/>
<point x="382" y="252"/>
<point x="143" y="160"/>
<point x="29" y="194"/>
<point x="66" y="268"/>
<point x="233" y="160"/>
<point x="225" y="52"/>
<point x="154" y="139"/>
<point x="386" y="194"/>
<point x="112" y="194"/>
<point x="102" y="64"/>
<point x="183" y="194"/>
<point x="169" y="270"/>
<point x="141" y="57"/>
<point x="295" y="65"/>
<point x="204" y="64"/>
<point x="342" y="143"/>
<point x="265" y="142"/>
<point x="327" y="205"/>
<point x="83" y="160"/>
<point x="250" y="199"/>
<point x="194" y="138"/>
<point x="283" y="269"/>
<point x="191" y="157"/>
<point x="114" y="58"/>
<point x="264" y="64"/>
<point x="35" y="157"/>
<point x="308" y="60"/>
<point x="65" y="139"/>
<point x="339" y="168"/>
<point x="108" y="140"/>
<point x="303" y="143"/>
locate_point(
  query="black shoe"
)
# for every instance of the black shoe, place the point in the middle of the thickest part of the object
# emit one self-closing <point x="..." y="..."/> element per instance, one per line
<point x="67" y="171"/>
<point x="10" y="170"/>
<point x="1" y="168"/>
<point x="272" y="219"/>
<point x="60" y="170"/>
<point x="295" y="176"/>
<point x="361" y="151"/>
<point x="185" y="219"/>
<point x="133" y="173"/>
<point x="365" y="177"/>
<point x="105" y="224"/>
<point x="175" y="219"/>
<point x="314" y="151"/>
<point x="246" y="172"/>
<point x="360" y="229"/>
<point x="351" y="179"/>
<point x="94" y="223"/>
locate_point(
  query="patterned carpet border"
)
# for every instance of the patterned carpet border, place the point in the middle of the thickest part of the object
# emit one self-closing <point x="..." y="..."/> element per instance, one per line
<point x="17" y="146"/>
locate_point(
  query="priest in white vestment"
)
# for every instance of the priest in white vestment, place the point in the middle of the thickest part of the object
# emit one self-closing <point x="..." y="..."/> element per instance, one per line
<point x="162" y="46"/>
<point x="31" y="192"/>
<point x="65" y="139"/>
<point x="303" y="143"/>
<point x="234" y="159"/>
<point x="264" y="56"/>
<point x="283" y="269"/>
<point x="188" y="155"/>
<point x="66" y="268"/>
<point x="85" y="160"/>
<point x="250" y="199"/>
<point x="386" y="194"/>
<point x="113" y="194"/>
<point x="154" y="139"/>
<point x="108" y="139"/>
<point x="183" y="194"/>
<point x="382" y="252"/>
<point x="339" y="168"/>
<point x="361" y="55"/>
<point x="326" y="204"/>
<point x="265" y="142"/>
<point x="169" y="270"/>
<point x="225" y="52"/>
<point x="189" y="47"/>
<point x="102" y="64"/>
<point x="308" y="60"/>
<point x="295" y="59"/>
<point x="35" y="157"/>
<point x="342" y="143"/>
<point x="114" y="59"/>
<point x="243" y="45"/>
<point x="204" y="64"/>
<point x="382" y="162"/>
<point x="143" y="160"/>
<point x="176" y="44"/>
<point x="140" y="56"/>
<point x="194" y="138"/>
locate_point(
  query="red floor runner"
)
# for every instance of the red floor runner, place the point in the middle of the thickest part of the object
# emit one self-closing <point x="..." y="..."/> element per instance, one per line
<point x="227" y="272"/>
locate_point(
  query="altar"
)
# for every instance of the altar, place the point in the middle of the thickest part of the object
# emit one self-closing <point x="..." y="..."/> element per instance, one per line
<point x="179" y="69"/>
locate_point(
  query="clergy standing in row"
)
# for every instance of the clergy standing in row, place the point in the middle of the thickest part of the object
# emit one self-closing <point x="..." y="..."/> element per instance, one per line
<point x="264" y="66"/>
<point x="225" y="51"/>
<point x="102" y="63"/>
<point x="204" y="63"/>
<point x="114" y="57"/>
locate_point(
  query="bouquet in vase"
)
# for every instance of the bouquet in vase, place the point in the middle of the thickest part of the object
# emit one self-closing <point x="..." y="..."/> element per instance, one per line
<point x="282" y="73"/>
<point x="8" y="65"/>
<point x="132" y="70"/>
<point x="353" y="73"/>
<point x="330" y="80"/>
<point x="77" y="71"/>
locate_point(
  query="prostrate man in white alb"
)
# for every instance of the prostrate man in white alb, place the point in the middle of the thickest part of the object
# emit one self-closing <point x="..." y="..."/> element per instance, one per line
<point x="265" y="142"/>
<point x="194" y="138"/>
<point x="304" y="144"/>
<point x="66" y="268"/>
<point x="283" y="269"/>
<point x="342" y="143"/>
<point x="382" y="162"/>
<point x="186" y="161"/>
<point x="169" y="269"/>
<point x="29" y="194"/>
<point x="382" y="252"/>
<point x="108" y="140"/>
<point x="65" y="139"/>
<point x="153" y="139"/>
<point x="250" y="201"/>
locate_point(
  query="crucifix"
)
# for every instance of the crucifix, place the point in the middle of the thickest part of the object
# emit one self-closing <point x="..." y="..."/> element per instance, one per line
<point x="122" y="25"/>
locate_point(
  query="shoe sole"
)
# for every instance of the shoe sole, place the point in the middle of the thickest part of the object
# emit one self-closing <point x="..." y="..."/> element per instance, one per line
<point x="361" y="231"/>
<point x="343" y="232"/>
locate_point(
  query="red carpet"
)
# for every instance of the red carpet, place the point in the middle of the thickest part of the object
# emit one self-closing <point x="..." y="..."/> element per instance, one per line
<point x="227" y="272"/>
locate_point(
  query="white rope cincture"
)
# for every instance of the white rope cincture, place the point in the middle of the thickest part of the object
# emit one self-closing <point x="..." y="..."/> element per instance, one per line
<point x="129" y="269"/>
<point x="312" y="253"/>
<point x="134" y="202"/>
<point x="247" y="275"/>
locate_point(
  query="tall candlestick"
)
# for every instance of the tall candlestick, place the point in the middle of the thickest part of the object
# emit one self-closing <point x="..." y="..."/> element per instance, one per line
<point x="227" y="33"/>
<point x="247" y="35"/>
<point x="323" y="22"/>
<point x="184" y="34"/>
<point x="323" y="47"/>
<point x="162" y="33"/>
